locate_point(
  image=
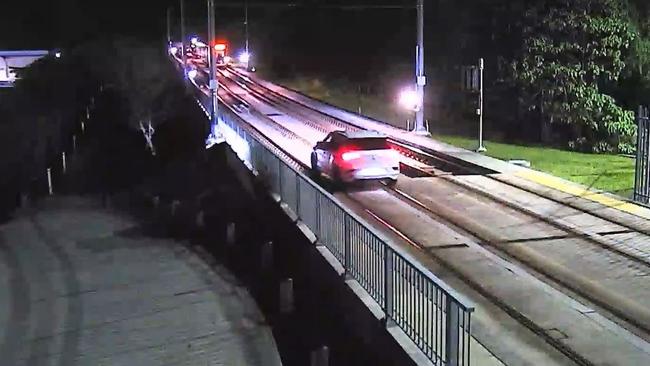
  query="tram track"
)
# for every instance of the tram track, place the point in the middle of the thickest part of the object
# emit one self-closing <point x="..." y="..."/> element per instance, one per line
<point x="444" y="164"/>
<point x="623" y="309"/>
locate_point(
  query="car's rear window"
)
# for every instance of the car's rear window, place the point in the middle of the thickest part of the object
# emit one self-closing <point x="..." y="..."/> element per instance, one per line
<point x="375" y="143"/>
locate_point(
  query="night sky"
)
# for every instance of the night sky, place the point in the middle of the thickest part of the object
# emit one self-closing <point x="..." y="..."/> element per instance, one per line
<point x="316" y="35"/>
<point x="50" y="23"/>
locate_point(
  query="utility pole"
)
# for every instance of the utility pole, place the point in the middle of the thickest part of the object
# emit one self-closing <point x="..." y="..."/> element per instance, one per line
<point x="169" y="26"/>
<point x="214" y="85"/>
<point x="480" y="148"/>
<point x="420" y="129"/>
<point x="183" y="56"/>
<point x="246" y="24"/>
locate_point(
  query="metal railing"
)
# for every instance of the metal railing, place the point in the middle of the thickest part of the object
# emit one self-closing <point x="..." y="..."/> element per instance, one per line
<point x="431" y="314"/>
<point x="642" y="174"/>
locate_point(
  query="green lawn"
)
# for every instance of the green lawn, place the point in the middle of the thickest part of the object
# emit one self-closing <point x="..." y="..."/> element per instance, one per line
<point x="611" y="173"/>
<point x="607" y="172"/>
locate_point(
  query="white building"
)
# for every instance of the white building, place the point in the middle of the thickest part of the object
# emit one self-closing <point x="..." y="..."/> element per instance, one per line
<point x="12" y="61"/>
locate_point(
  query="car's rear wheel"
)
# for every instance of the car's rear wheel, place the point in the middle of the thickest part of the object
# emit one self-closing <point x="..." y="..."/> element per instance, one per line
<point x="314" y="166"/>
<point x="391" y="183"/>
<point x="337" y="181"/>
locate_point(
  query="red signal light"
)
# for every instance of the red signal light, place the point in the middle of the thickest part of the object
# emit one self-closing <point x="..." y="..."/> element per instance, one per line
<point x="220" y="47"/>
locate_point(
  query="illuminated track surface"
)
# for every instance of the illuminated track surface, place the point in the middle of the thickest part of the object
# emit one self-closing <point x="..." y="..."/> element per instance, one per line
<point x="609" y="273"/>
<point x="617" y="264"/>
<point x="599" y="266"/>
<point x="450" y="219"/>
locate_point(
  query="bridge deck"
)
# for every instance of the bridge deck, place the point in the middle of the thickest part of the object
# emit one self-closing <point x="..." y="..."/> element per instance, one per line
<point x="84" y="286"/>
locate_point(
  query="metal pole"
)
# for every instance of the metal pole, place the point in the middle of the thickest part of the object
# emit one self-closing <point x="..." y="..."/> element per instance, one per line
<point x="49" y="182"/>
<point x="63" y="162"/>
<point x="214" y="84"/>
<point x="359" y="90"/>
<point x="480" y="148"/>
<point x="169" y="26"/>
<point x="246" y="24"/>
<point x="183" y="56"/>
<point x="420" y="78"/>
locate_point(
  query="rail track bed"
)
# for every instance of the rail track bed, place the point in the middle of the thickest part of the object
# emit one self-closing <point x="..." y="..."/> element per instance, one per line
<point x="574" y="276"/>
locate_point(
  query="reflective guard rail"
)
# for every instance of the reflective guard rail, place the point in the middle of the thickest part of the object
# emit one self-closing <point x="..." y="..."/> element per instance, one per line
<point x="434" y="316"/>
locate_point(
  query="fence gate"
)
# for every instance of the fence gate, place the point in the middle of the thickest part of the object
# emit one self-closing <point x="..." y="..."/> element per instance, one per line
<point x="642" y="176"/>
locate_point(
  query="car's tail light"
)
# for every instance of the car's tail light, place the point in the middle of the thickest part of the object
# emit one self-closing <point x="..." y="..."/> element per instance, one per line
<point x="350" y="155"/>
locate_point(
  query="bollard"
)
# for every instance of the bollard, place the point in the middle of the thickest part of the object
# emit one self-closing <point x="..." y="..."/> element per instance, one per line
<point x="174" y="207"/>
<point x="49" y="182"/>
<point x="156" y="202"/>
<point x="266" y="254"/>
<point x="83" y="127"/>
<point x="230" y="233"/>
<point x="200" y="219"/>
<point x="320" y="356"/>
<point x="286" y="296"/>
<point x="87" y="113"/>
<point x="63" y="161"/>
<point x="74" y="144"/>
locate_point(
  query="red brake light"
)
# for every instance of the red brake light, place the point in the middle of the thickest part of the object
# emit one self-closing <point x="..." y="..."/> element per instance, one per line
<point x="350" y="155"/>
<point x="220" y="47"/>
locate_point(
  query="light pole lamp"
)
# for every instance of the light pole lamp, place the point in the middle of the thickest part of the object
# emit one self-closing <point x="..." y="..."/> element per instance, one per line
<point x="409" y="99"/>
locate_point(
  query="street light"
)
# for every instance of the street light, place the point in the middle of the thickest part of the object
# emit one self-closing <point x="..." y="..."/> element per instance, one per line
<point x="409" y="99"/>
<point x="244" y="57"/>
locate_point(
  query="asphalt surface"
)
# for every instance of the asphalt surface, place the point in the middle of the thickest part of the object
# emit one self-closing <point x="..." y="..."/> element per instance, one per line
<point x="82" y="285"/>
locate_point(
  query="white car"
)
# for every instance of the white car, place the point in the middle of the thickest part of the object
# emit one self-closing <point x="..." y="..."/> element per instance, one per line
<point x="351" y="156"/>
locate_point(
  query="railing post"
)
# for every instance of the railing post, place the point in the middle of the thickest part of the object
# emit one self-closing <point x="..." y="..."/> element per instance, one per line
<point x="280" y="179"/>
<point x="388" y="286"/>
<point x="347" y="256"/>
<point x="451" y="331"/>
<point x="297" y="195"/>
<point x="639" y="152"/>
<point x="319" y="234"/>
<point x="642" y="168"/>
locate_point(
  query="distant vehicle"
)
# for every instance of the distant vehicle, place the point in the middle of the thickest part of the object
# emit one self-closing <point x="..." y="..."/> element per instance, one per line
<point x="346" y="157"/>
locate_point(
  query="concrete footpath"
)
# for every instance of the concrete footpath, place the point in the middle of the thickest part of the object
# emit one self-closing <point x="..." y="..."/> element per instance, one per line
<point x="82" y="285"/>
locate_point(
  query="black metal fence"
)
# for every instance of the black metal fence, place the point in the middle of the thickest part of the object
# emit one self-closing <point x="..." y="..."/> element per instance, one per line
<point x="642" y="176"/>
<point x="433" y="315"/>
